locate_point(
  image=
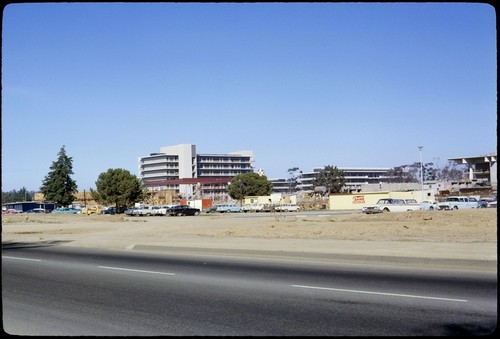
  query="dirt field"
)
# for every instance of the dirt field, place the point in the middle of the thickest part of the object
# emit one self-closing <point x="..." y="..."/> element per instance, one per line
<point x="468" y="234"/>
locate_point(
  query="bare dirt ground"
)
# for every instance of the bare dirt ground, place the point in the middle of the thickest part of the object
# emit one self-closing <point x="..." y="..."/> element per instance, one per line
<point x="463" y="234"/>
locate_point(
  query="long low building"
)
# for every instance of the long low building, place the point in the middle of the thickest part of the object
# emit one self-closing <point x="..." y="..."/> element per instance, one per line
<point x="355" y="177"/>
<point x="356" y="201"/>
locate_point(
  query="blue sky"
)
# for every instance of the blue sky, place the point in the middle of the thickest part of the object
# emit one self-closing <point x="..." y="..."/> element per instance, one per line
<point x="300" y="84"/>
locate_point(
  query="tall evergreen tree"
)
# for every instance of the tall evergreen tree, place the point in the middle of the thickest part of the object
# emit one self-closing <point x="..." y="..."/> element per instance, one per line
<point x="58" y="186"/>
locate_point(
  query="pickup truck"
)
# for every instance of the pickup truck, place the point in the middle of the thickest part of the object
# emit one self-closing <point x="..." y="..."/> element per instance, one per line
<point x="92" y="210"/>
<point x="392" y="205"/>
<point x="455" y="203"/>
<point x="286" y="208"/>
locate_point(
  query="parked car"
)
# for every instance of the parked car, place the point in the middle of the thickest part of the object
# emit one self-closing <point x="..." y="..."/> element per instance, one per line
<point x="65" y="210"/>
<point x="92" y="210"/>
<point x="156" y="210"/>
<point x="429" y="206"/>
<point x="12" y="211"/>
<point x="487" y="203"/>
<point x="392" y="205"/>
<point x="37" y="210"/>
<point x="131" y="211"/>
<point x="145" y="211"/>
<point x="162" y="210"/>
<point x="256" y="207"/>
<point x="231" y="208"/>
<point x="109" y="210"/>
<point x="482" y="203"/>
<point x="287" y="208"/>
<point x="211" y="209"/>
<point x="183" y="210"/>
<point x="458" y="202"/>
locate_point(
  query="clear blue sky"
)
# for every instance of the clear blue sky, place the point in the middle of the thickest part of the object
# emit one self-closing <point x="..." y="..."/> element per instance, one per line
<point x="306" y="85"/>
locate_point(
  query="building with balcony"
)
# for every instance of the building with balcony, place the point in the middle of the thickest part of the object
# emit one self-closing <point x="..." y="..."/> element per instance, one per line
<point x="480" y="169"/>
<point x="181" y="169"/>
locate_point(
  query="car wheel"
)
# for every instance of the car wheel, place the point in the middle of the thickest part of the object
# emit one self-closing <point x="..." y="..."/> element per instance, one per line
<point x="431" y="208"/>
<point x="196" y="213"/>
<point x="455" y="207"/>
<point x="386" y="210"/>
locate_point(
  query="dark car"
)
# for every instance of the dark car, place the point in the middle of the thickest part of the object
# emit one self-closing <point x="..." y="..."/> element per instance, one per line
<point x="487" y="202"/>
<point x="211" y="209"/>
<point x="183" y="210"/>
<point x="483" y="203"/>
<point x="37" y="210"/>
<point x="109" y="210"/>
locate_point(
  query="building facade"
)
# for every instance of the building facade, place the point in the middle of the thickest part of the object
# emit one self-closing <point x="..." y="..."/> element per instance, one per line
<point x="181" y="169"/>
<point x="480" y="168"/>
<point x="355" y="177"/>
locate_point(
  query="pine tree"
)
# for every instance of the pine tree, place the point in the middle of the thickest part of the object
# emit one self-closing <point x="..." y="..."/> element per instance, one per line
<point x="57" y="186"/>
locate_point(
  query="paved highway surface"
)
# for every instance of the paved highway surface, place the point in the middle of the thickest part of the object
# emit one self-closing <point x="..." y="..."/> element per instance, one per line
<point x="69" y="291"/>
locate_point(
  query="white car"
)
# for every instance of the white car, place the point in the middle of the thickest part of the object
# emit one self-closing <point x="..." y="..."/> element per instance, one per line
<point x="458" y="202"/>
<point x="145" y="211"/>
<point x="256" y="207"/>
<point x="162" y="210"/>
<point x="287" y="208"/>
<point x="230" y="208"/>
<point x="392" y="205"/>
<point x="429" y="206"/>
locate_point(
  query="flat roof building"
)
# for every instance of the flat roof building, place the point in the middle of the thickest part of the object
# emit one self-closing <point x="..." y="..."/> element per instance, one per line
<point x="480" y="168"/>
<point x="181" y="169"/>
<point x="355" y="177"/>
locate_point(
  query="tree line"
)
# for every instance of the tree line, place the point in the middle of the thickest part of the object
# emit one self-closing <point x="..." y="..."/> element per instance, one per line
<point x="13" y="196"/>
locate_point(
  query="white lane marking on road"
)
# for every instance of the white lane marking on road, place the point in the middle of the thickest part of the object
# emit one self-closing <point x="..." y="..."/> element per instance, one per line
<point x="132" y="270"/>
<point x="379" y="293"/>
<point x="17" y="258"/>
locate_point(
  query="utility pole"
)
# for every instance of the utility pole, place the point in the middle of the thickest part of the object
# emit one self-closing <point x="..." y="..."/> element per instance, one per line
<point x="421" y="174"/>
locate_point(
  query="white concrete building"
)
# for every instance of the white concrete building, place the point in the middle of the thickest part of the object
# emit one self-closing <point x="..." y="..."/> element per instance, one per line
<point x="480" y="168"/>
<point x="355" y="177"/>
<point x="180" y="168"/>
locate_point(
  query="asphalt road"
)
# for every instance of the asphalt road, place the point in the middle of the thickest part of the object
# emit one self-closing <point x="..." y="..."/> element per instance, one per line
<point x="71" y="291"/>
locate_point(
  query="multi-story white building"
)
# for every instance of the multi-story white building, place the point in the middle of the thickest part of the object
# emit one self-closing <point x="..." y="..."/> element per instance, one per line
<point x="355" y="178"/>
<point x="181" y="169"/>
